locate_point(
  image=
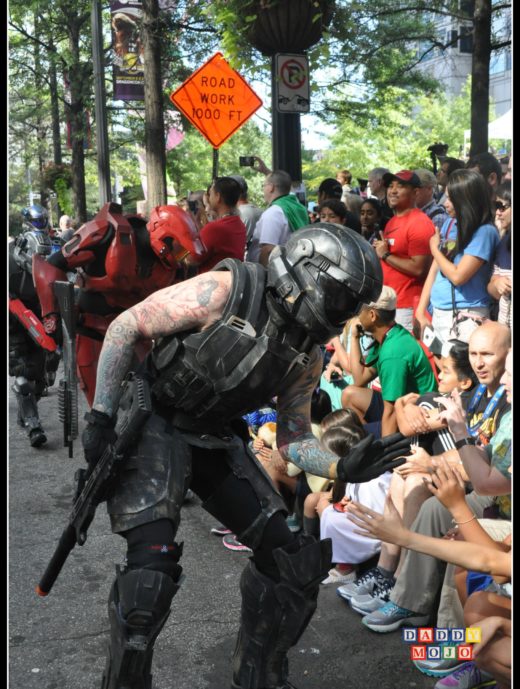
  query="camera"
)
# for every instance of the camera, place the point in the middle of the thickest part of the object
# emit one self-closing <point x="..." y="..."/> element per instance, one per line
<point x="360" y="330"/>
<point x="438" y="148"/>
<point x="193" y="206"/>
<point x="246" y="161"/>
<point x="335" y="375"/>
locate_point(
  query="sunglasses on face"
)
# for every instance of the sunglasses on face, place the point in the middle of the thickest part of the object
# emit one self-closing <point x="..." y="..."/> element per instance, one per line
<point x="501" y="206"/>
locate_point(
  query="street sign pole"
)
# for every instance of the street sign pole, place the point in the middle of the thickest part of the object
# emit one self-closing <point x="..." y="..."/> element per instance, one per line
<point x="287" y="146"/>
<point x="103" y="158"/>
<point x="214" y="173"/>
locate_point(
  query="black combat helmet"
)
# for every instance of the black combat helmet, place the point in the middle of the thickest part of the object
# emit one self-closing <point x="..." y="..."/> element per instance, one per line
<point x="323" y="275"/>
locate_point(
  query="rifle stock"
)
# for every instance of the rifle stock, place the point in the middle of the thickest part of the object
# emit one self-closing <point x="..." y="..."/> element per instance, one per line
<point x="94" y="486"/>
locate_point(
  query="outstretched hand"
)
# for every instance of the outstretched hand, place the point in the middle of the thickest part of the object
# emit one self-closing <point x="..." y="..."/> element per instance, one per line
<point x="370" y="458"/>
<point x="447" y="485"/>
<point x="387" y="527"/>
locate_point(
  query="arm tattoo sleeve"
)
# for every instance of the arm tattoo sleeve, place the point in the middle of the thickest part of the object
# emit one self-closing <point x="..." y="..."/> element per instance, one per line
<point x="114" y="362"/>
<point x="294" y="437"/>
<point x="188" y="305"/>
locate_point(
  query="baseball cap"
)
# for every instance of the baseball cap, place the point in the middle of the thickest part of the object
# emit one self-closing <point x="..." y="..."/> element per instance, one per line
<point x="404" y="176"/>
<point x="387" y="300"/>
<point x="241" y="182"/>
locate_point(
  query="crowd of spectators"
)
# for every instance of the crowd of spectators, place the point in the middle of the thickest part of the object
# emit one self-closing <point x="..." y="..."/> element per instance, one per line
<point x="444" y="242"/>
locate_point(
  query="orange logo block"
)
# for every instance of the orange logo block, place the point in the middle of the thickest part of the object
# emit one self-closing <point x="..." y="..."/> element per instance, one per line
<point x="216" y="100"/>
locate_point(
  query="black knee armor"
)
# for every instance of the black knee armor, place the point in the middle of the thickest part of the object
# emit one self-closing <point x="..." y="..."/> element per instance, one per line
<point x="275" y="614"/>
<point x="138" y="605"/>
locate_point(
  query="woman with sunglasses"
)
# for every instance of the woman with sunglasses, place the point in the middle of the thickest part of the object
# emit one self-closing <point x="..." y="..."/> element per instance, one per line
<point x="500" y="285"/>
<point x="463" y="252"/>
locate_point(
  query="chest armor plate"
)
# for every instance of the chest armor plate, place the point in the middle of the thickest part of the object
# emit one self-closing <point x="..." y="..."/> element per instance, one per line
<point x="236" y="365"/>
<point x="124" y="283"/>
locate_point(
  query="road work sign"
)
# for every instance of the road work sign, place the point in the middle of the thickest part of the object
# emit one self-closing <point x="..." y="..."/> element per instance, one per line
<point x="216" y="100"/>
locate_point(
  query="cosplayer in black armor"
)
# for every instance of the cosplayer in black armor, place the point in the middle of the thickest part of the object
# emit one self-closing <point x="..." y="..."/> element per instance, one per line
<point x="226" y="342"/>
<point x="32" y="366"/>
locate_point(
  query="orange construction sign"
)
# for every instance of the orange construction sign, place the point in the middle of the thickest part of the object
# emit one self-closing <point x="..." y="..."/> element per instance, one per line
<point x="216" y="100"/>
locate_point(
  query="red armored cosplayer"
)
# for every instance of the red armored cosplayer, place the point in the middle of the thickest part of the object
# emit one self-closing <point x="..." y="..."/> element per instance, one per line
<point x="119" y="260"/>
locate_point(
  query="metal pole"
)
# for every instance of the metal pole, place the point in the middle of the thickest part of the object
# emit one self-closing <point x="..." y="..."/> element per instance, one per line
<point x="214" y="173"/>
<point x="103" y="158"/>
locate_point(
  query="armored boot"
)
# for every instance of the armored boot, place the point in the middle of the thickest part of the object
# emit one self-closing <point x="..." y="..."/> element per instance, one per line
<point x="28" y="411"/>
<point x="275" y="614"/>
<point x="138" y="606"/>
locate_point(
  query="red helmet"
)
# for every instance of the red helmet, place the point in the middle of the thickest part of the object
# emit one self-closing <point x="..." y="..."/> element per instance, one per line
<point x="173" y="233"/>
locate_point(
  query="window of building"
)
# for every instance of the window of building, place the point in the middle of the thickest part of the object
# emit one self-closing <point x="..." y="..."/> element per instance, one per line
<point x="466" y="39"/>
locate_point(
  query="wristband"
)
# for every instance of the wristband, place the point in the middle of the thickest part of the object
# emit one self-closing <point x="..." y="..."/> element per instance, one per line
<point x="385" y="255"/>
<point x="465" y="441"/>
<point x="466" y="522"/>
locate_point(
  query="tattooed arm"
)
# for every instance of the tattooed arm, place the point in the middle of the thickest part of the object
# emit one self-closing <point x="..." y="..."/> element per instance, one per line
<point x="189" y="305"/>
<point x="294" y="438"/>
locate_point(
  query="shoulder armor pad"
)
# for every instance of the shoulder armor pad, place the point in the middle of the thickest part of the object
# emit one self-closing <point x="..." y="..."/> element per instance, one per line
<point x="93" y="232"/>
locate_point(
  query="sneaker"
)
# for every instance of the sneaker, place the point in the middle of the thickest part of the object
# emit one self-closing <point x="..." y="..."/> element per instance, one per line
<point x="294" y="524"/>
<point x="232" y="543"/>
<point x="390" y="617"/>
<point x="337" y="577"/>
<point x="366" y="603"/>
<point x="438" y="668"/>
<point x="37" y="437"/>
<point x="220" y="530"/>
<point x="362" y="585"/>
<point x="468" y="676"/>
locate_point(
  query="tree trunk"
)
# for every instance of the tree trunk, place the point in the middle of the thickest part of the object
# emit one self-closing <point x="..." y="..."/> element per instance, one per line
<point x="480" y="76"/>
<point x="79" y="85"/>
<point x="153" y="103"/>
<point x="55" y="110"/>
<point x="40" y="127"/>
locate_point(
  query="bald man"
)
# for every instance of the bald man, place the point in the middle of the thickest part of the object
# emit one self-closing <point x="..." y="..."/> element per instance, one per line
<point x="412" y="598"/>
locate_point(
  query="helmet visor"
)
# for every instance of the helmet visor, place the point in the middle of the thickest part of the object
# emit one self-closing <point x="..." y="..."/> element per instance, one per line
<point x="340" y="303"/>
<point x="39" y="223"/>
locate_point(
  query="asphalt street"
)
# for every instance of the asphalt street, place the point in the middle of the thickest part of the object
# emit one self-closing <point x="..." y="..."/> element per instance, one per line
<point x="58" y="642"/>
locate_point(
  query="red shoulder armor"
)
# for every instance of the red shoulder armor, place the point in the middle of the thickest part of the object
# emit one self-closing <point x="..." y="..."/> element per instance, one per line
<point x="44" y="276"/>
<point x="91" y="233"/>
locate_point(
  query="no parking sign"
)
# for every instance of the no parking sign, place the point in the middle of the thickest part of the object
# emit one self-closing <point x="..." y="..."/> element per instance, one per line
<point x="291" y="84"/>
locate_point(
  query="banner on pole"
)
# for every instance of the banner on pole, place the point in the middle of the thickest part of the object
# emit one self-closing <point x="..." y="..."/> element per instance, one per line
<point x="128" y="58"/>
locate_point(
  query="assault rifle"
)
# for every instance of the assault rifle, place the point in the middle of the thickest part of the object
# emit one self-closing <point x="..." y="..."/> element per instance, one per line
<point x="68" y="389"/>
<point x="94" y="487"/>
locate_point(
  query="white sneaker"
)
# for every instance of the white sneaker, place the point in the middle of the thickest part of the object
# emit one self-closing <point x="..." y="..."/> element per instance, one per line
<point x="336" y="577"/>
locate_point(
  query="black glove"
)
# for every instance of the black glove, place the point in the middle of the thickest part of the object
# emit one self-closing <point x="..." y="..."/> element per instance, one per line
<point x="371" y="458"/>
<point x="98" y="434"/>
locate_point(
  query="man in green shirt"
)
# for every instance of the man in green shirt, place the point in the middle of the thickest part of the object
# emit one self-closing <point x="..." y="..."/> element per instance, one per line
<point x="395" y="357"/>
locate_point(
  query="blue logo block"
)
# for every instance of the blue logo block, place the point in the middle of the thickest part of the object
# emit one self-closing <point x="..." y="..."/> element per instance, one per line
<point x="433" y="652"/>
<point x="458" y="636"/>
<point x="409" y="634"/>
<point x="442" y="635"/>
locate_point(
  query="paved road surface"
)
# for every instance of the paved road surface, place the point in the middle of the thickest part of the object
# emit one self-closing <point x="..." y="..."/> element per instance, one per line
<point x="58" y="642"/>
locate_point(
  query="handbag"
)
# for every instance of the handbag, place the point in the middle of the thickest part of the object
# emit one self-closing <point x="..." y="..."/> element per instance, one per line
<point x="464" y="322"/>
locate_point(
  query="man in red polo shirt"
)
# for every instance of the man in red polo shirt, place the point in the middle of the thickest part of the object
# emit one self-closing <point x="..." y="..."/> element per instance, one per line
<point x="224" y="237"/>
<point x="404" y="247"/>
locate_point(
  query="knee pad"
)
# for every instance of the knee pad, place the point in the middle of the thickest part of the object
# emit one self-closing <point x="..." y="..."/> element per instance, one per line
<point x="22" y="386"/>
<point x="144" y="597"/>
